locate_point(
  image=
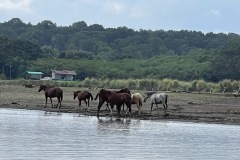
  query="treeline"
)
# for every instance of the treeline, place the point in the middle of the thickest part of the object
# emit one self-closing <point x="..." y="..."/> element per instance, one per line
<point x="117" y="53"/>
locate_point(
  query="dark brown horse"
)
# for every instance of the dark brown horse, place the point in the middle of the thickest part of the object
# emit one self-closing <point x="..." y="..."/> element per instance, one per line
<point x="113" y="98"/>
<point x="83" y="96"/>
<point x="124" y="90"/>
<point x="52" y="92"/>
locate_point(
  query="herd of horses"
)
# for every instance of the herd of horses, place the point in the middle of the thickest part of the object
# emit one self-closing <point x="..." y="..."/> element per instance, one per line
<point x="112" y="98"/>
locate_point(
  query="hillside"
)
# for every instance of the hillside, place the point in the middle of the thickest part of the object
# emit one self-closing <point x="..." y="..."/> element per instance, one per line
<point x="95" y="51"/>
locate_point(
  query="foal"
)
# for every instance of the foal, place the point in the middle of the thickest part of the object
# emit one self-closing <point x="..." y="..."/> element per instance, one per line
<point x="83" y="96"/>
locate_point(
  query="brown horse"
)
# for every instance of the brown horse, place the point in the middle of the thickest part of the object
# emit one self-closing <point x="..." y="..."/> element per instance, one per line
<point x="113" y="98"/>
<point x="52" y="92"/>
<point x="137" y="99"/>
<point x="124" y="90"/>
<point x="83" y="96"/>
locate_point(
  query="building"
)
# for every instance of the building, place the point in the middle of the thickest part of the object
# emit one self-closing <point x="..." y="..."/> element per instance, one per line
<point x="63" y="75"/>
<point x="34" y="75"/>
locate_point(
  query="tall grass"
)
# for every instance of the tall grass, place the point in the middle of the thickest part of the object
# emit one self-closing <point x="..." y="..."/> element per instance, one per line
<point x="139" y="84"/>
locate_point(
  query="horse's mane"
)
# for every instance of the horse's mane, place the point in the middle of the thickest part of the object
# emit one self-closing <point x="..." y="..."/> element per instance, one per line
<point x="78" y="91"/>
<point x="124" y="90"/>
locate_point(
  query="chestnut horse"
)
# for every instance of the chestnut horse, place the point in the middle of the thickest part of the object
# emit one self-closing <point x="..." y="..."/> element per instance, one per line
<point x="52" y="92"/>
<point x="137" y="99"/>
<point x="113" y="98"/>
<point x="83" y="96"/>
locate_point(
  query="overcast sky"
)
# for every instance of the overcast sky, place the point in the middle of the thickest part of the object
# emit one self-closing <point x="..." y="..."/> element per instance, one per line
<point x="198" y="15"/>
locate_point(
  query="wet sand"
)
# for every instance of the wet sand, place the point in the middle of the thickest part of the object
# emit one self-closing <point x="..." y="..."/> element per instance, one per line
<point x="188" y="107"/>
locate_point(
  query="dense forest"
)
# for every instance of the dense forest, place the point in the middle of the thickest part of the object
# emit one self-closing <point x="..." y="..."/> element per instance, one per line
<point x="117" y="53"/>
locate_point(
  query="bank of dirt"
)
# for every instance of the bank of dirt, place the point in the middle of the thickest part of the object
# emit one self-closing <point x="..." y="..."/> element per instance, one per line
<point x="190" y="107"/>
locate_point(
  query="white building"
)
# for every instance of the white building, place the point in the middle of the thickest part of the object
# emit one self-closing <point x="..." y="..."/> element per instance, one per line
<point x="63" y="75"/>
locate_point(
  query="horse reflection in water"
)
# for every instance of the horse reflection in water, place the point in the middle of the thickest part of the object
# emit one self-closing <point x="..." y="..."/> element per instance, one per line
<point x="82" y="96"/>
<point x="118" y="126"/>
<point x="113" y="98"/>
<point x="52" y="92"/>
<point x="157" y="98"/>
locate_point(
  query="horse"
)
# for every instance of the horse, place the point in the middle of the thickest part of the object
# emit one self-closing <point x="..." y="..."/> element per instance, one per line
<point x="157" y="98"/>
<point x="137" y="99"/>
<point x="123" y="90"/>
<point x="52" y="92"/>
<point x="83" y="96"/>
<point x="113" y="98"/>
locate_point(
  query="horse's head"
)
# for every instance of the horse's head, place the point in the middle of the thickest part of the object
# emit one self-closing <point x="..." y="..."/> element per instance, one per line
<point x="75" y="94"/>
<point x="145" y="98"/>
<point x="42" y="87"/>
<point x="124" y="90"/>
<point x="148" y="95"/>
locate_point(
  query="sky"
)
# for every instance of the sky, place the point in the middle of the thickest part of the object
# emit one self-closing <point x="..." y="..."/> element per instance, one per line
<point x="196" y="15"/>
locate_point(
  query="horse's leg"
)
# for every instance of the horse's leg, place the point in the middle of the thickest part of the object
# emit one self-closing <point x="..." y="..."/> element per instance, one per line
<point x="157" y="107"/>
<point x="99" y="106"/>
<point x="107" y="108"/>
<point x="88" y="101"/>
<point x="139" y="109"/>
<point x="127" y="111"/>
<point x="51" y="101"/>
<point x="119" y="109"/>
<point x="129" y="108"/>
<point x="166" y="105"/>
<point x="151" y="107"/>
<point x="111" y="108"/>
<point x="59" y="102"/>
<point x="85" y="103"/>
<point x="80" y="104"/>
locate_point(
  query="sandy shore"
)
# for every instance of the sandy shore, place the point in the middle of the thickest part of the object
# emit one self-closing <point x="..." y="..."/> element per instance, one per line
<point x="190" y="107"/>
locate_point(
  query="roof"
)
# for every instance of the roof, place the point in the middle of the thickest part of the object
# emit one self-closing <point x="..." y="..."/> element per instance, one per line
<point x="29" y="72"/>
<point x="65" y="72"/>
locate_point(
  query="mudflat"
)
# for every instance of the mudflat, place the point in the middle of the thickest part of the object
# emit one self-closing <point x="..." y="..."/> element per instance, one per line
<point x="191" y="107"/>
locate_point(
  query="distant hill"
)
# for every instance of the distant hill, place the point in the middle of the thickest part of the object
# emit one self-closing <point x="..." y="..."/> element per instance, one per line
<point x="193" y="52"/>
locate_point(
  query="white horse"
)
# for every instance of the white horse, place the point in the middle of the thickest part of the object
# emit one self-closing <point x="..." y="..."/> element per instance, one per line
<point x="137" y="99"/>
<point x="157" y="98"/>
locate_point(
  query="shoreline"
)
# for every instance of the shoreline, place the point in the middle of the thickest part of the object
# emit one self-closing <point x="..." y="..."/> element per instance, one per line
<point x="144" y="116"/>
<point x="185" y="107"/>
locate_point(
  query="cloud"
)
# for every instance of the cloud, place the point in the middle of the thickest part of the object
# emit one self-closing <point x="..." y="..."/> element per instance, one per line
<point x="114" y="7"/>
<point x="15" y="5"/>
<point x="215" y="12"/>
<point x="138" y="12"/>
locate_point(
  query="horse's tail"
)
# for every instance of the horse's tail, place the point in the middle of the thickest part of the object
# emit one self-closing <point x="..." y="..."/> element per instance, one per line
<point x="61" y="96"/>
<point x="96" y="96"/>
<point x="91" y="96"/>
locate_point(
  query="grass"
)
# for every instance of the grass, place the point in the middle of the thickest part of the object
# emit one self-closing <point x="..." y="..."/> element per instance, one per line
<point x="199" y="86"/>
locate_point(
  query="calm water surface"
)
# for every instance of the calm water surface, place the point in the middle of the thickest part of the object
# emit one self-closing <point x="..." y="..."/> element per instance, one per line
<point x="26" y="134"/>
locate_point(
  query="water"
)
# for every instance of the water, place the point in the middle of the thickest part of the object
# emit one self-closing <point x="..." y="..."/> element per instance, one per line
<point x="26" y="134"/>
